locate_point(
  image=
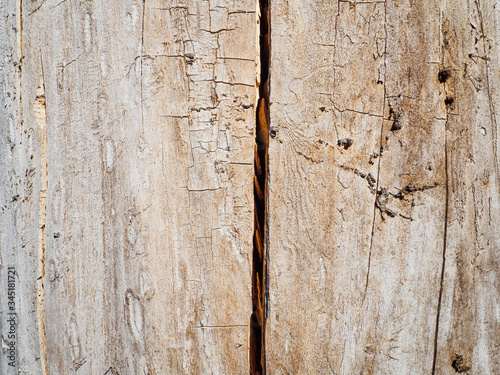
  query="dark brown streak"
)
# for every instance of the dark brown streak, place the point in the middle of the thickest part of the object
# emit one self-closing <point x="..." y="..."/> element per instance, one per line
<point x="257" y="321"/>
<point x="445" y="234"/>
<point x="438" y="315"/>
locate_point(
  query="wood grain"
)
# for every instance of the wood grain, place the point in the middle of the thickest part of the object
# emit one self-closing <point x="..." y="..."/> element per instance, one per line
<point x="127" y="152"/>
<point x="469" y="326"/>
<point x="369" y="164"/>
<point x="139" y="258"/>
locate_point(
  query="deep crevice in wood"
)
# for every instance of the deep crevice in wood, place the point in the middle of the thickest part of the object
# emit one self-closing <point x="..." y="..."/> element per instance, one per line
<point x="257" y="322"/>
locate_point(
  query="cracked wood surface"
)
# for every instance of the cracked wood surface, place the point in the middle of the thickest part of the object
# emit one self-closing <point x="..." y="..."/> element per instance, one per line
<point x="136" y="256"/>
<point x="127" y="150"/>
<point x="19" y="216"/>
<point x="384" y="217"/>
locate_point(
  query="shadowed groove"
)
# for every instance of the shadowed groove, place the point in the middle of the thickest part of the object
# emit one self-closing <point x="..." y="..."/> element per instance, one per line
<point x="257" y="321"/>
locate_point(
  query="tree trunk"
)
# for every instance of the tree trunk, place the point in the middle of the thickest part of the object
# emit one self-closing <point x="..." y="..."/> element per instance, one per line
<point x="148" y="225"/>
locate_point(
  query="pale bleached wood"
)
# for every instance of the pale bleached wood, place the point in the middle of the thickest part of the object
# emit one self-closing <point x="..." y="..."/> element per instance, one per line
<point x="145" y="255"/>
<point x="127" y="209"/>
<point x="352" y="289"/>
<point x="469" y="325"/>
<point x="19" y="207"/>
<point x="320" y="214"/>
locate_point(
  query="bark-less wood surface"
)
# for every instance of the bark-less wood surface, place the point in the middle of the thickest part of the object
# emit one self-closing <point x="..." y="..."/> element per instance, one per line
<point x="128" y="149"/>
<point x="127" y="199"/>
<point x="384" y="217"/>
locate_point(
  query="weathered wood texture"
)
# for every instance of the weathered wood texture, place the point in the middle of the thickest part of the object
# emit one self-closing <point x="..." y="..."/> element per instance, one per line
<point x="384" y="217"/>
<point x="19" y="194"/>
<point x="127" y="206"/>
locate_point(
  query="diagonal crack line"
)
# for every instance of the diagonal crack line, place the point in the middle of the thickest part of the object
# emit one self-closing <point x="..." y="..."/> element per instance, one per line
<point x="379" y="161"/>
<point x="443" y="264"/>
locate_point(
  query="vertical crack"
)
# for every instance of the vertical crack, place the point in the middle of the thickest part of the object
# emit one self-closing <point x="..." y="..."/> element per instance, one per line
<point x="367" y="280"/>
<point x="438" y="315"/>
<point x="445" y="234"/>
<point x="40" y="117"/>
<point x="257" y="322"/>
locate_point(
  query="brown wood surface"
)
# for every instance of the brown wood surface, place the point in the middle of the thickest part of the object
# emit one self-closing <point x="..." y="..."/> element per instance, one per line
<point x="384" y="213"/>
<point x="127" y="155"/>
<point x="134" y="177"/>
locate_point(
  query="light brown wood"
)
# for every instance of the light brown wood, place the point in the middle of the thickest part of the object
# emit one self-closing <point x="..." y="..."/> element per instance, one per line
<point x="469" y="327"/>
<point x="375" y="180"/>
<point x="129" y="154"/>
<point x="139" y="260"/>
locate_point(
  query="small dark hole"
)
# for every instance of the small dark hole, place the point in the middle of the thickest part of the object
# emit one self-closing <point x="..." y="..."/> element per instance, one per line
<point x="391" y="213"/>
<point x="396" y="125"/>
<point x="458" y="364"/>
<point x="443" y="75"/>
<point x="322" y="109"/>
<point x="272" y="133"/>
<point x="189" y="58"/>
<point x="371" y="180"/>
<point x="246" y="106"/>
<point x="449" y="100"/>
<point x="392" y="112"/>
<point x="345" y="143"/>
